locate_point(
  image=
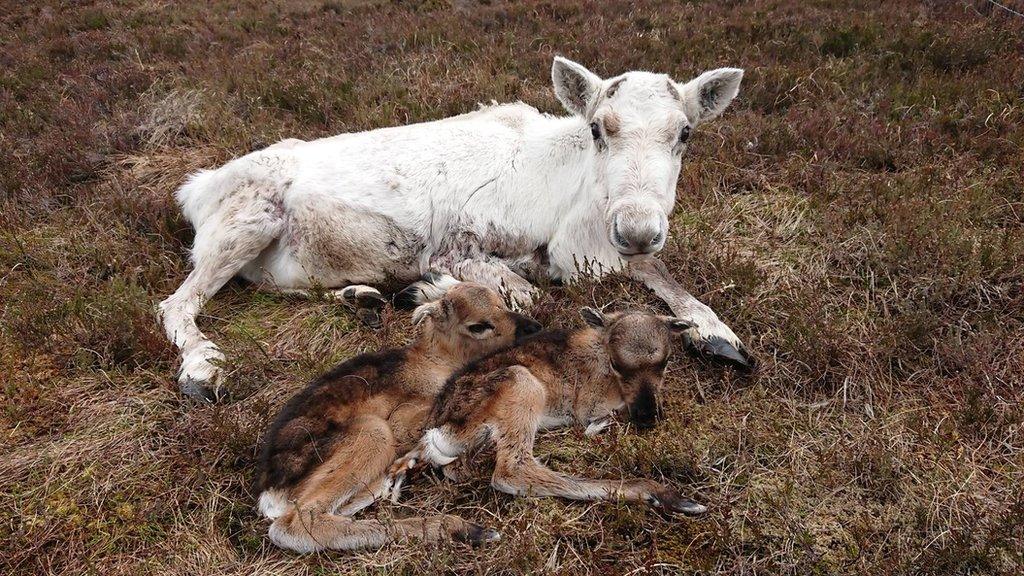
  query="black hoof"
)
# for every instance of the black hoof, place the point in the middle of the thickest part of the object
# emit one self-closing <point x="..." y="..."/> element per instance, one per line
<point x="720" y="350"/>
<point x="370" y="317"/>
<point x="202" y="391"/>
<point x="372" y="300"/>
<point x="676" y="504"/>
<point x="476" y="535"/>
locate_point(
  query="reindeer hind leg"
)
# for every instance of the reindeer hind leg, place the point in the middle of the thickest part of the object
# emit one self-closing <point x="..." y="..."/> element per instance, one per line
<point x="223" y="245"/>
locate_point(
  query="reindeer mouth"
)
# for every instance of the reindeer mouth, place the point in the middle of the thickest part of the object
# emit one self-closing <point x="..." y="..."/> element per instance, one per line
<point x="644" y="411"/>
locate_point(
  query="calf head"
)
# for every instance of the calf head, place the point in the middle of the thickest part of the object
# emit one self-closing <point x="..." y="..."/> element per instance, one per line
<point x="640" y="123"/>
<point x="638" y="346"/>
<point x="471" y="320"/>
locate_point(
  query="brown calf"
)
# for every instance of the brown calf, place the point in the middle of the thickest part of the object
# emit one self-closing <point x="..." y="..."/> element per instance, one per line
<point x="327" y="454"/>
<point x="556" y="378"/>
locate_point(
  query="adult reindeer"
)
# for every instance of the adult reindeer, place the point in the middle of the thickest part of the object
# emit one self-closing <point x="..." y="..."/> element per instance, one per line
<point x="497" y="196"/>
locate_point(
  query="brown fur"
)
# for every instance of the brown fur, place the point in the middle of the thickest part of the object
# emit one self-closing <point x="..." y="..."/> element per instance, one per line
<point x="326" y="454"/>
<point x="582" y="377"/>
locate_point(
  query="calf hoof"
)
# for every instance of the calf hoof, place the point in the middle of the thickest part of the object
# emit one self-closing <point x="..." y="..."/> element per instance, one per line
<point x="476" y="534"/>
<point x="672" y="502"/>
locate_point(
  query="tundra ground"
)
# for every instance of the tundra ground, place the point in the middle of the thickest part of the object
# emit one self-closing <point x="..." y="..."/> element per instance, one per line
<point x="857" y="216"/>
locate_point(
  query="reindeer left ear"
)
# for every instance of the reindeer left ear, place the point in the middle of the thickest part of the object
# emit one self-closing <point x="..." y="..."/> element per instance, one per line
<point x="677" y="326"/>
<point x="575" y="86"/>
<point x="424" y="311"/>
<point x="707" y="95"/>
<point x="439" y="311"/>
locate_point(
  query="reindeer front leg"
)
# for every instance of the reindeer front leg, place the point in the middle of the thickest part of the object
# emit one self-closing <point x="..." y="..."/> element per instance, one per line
<point x="709" y="335"/>
<point x="490" y="272"/>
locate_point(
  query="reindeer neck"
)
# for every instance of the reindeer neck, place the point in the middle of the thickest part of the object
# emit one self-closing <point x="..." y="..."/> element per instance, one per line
<point x="550" y="177"/>
<point x="438" y="355"/>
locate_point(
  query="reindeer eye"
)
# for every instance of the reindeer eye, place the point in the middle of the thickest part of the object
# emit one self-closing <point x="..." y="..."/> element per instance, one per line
<point x="684" y="135"/>
<point x="480" y="327"/>
<point x="595" y="130"/>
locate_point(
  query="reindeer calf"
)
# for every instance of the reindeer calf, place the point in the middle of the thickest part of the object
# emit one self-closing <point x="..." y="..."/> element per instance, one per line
<point x="327" y="454"/>
<point x="556" y="378"/>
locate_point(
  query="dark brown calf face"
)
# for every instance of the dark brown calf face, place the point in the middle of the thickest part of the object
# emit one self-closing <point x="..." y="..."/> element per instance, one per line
<point x="474" y="320"/>
<point x="638" y="347"/>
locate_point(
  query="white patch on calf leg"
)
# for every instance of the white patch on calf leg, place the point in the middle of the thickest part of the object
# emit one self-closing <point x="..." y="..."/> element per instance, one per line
<point x="598" y="426"/>
<point x="439" y="447"/>
<point x="273" y="503"/>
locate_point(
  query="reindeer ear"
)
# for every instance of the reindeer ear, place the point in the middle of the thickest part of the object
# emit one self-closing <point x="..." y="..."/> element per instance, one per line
<point x="677" y="326"/>
<point x="707" y="95"/>
<point x="439" y="311"/>
<point x="575" y="86"/>
<point x="593" y="317"/>
<point x="424" y="311"/>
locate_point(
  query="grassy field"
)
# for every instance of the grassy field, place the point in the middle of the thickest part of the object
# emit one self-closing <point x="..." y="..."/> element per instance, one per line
<point x="857" y="216"/>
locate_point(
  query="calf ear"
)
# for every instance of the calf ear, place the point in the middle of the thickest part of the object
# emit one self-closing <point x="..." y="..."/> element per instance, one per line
<point x="439" y="311"/>
<point x="677" y="326"/>
<point x="424" y="311"/>
<point x="593" y="317"/>
<point x="707" y="95"/>
<point x="575" y="86"/>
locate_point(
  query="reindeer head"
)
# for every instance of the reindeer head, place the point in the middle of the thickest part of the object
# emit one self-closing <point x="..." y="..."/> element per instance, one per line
<point x="638" y="346"/>
<point x="640" y="123"/>
<point x="471" y="320"/>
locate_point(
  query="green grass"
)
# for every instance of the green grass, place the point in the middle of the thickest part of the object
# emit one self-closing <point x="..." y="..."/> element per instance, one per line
<point x="857" y="216"/>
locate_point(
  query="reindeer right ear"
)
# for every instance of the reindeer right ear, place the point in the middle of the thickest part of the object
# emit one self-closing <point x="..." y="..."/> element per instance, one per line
<point x="592" y="317"/>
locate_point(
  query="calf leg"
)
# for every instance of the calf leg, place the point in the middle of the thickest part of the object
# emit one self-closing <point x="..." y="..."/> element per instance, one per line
<point x="226" y="242"/>
<point x="316" y="516"/>
<point x="511" y="416"/>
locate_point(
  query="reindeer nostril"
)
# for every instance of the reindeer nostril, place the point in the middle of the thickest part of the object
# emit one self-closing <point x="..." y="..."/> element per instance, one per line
<point x="657" y="238"/>
<point x="617" y="236"/>
<point x="526" y="326"/>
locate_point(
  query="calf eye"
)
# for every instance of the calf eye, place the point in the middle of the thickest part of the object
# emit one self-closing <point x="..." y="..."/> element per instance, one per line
<point x="684" y="135"/>
<point x="595" y="130"/>
<point x="480" y="327"/>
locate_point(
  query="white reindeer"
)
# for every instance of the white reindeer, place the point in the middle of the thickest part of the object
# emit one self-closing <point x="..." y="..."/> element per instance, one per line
<point x="495" y="196"/>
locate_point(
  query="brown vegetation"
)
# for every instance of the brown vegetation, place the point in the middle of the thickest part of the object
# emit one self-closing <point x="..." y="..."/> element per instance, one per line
<point x="857" y="216"/>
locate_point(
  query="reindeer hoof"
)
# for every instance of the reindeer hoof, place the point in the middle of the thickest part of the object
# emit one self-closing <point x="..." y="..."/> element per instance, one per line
<point x="200" y="376"/>
<point x="202" y="390"/>
<point x="676" y="504"/>
<point x="476" y="534"/>
<point x="369" y="317"/>
<point x="720" y="350"/>
<point x="368" y="304"/>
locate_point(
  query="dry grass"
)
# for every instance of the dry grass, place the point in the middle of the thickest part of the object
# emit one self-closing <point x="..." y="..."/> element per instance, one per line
<point x="857" y="217"/>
